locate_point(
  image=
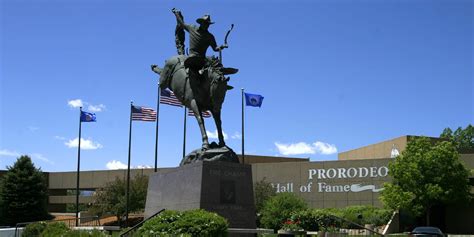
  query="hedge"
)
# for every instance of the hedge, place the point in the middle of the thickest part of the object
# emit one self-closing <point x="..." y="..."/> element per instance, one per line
<point x="188" y="223"/>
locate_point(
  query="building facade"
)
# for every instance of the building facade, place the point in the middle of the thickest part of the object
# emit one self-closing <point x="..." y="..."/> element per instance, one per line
<point x="356" y="178"/>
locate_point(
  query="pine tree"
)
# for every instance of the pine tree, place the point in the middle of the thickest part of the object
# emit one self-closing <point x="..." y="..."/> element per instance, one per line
<point x="24" y="193"/>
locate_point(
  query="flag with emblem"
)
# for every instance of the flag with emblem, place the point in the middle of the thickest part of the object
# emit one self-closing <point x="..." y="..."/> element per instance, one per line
<point x="253" y="100"/>
<point x="140" y="113"/>
<point x="87" y="117"/>
<point x="168" y="97"/>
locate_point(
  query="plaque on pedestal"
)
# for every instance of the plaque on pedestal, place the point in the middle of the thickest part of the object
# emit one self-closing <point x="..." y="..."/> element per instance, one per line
<point x="221" y="187"/>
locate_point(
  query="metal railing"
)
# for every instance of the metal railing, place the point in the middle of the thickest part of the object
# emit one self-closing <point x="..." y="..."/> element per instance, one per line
<point x="355" y="224"/>
<point x="71" y="222"/>
<point x="135" y="227"/>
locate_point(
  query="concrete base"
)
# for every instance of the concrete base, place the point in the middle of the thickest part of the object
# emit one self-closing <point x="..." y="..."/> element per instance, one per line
<point x="221" y="187"/>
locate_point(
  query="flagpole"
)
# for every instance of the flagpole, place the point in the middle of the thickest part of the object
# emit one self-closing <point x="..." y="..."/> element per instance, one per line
<point x="184" y="133"/>
<point x="157" y="116"/>
<point x="128" y="167"/>
<point x="78" y="168"/>
<point x="243" y="128"/>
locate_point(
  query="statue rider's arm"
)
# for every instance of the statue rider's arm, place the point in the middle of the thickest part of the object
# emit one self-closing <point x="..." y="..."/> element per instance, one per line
<point x="180" y="20"/>
<point x="214" y="46"/>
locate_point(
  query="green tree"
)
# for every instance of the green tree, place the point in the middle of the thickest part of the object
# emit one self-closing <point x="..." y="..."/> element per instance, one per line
<point x="24" y="193"/>
<point x="263" y="191"/>
<point x="279" y="208"/>
<point x="463" y="139"/>
<point x="111" y="199"/>
<point x="425" y="175"/>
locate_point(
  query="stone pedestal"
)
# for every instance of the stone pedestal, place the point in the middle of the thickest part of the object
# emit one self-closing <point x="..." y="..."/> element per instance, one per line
<point x="222" y="187"/>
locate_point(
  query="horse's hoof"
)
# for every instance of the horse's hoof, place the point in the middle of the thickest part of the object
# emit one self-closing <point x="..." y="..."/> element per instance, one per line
<point x="222" y="144"/>
<point x="205" y="147"/>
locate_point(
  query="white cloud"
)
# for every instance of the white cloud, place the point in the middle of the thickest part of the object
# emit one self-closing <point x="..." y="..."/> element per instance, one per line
<point x="96" y="108"/>
<point x="325" y="148"/>
<point x="294" y="149"/>
<point x="85" y="144"/>
<point x="115" y="165"/>
<point x="5" y="152"/>
<point x="90" y="107"/>
<point x="36" y="156"/>
<point x="236" y="135"/>
<point x="305" y="148"/>
<point x="213" y="135"/>
<point x="75" y="103"/>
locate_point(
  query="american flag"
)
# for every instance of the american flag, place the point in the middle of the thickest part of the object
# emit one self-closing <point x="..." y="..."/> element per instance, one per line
<point x="205" y="114"/>
<point x="140" y="113"/>
<point x="168" y="97"/>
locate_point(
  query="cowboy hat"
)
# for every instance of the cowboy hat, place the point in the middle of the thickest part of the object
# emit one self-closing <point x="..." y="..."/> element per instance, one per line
<point x="206" y="19"/>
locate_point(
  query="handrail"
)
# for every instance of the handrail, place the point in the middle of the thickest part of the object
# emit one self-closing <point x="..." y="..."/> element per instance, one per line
<point x="22" y="224"/>
<point x="363" y="227"/>
<point x="140" y="223"/>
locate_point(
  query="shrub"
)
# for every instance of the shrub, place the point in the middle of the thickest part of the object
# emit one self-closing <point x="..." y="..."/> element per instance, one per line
<point x="83" y="233"/>
<point x="314" y="219"/>
<point x="263" y="191"/>
<point x="365" y="215"/>
<point x="379" y="217"/>
<point x="317" y="219"/>
<point x="112" y="197"/>
<point x="193" y="223"/>
<point x="55" y="229"/>
<point x="279" y="208"/>
<point x="34" y="229"/>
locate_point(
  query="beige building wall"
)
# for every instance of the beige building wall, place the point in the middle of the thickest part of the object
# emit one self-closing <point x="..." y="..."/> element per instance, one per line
<point x="295" y="175"/>
<point x="60" y="182"/>
<point x="252" y="159"/>
<point x="379" y="150"/>
<point x="283" y="173"/>
<point x="375" y="151"/>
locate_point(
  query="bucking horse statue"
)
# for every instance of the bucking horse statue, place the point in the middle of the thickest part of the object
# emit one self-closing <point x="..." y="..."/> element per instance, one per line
<point x="205" y="94"/>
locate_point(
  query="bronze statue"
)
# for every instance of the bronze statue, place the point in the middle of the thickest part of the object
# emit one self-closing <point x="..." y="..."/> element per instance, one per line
<point x="199" y="40"/>
<point x="206" y="93"/>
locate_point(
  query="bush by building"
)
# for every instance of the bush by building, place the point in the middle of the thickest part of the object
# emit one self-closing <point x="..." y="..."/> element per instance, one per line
<point x="263" y="190"/>
<point x="111" y="199"/>
<point x="321" y="219"/>
<point x="188" y="223"/>
<point x="312" y="219"/>
<point x="279" y="208"/>
<point x="362" y="215"/>
<point x="34" y="229"/>
<point x="53" y="229"/>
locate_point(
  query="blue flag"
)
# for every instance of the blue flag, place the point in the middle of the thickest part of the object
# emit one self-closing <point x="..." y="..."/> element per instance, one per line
<point x="87" y="117"/>
<point x="253" y="100"/>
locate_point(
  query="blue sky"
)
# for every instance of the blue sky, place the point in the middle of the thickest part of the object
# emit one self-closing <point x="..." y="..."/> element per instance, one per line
<point x="336" y="75"/>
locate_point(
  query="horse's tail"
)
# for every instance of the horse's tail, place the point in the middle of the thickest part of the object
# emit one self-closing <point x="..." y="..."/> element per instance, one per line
<point x="166" y="73"/>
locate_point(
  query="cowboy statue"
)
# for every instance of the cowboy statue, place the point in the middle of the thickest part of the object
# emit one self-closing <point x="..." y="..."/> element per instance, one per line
<point x="199" y="40"/>
<point x="199" y="82"/>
